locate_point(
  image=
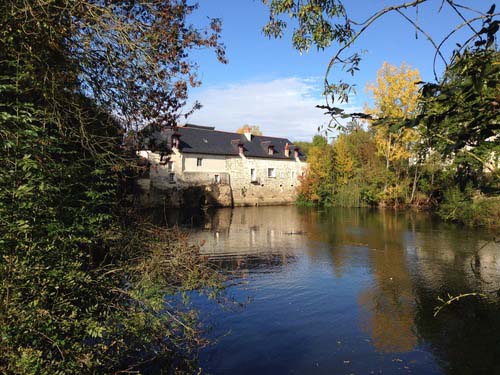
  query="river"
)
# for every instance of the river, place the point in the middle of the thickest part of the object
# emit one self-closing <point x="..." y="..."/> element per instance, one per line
<point x="348" y="291"/>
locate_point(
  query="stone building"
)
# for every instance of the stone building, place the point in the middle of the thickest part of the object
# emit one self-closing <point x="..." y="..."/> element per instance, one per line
<point x="195" y="165"/>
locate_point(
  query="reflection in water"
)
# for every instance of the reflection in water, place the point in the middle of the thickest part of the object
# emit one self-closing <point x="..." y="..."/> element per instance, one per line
<point x="388" y="304"/>
<point x="352" y="290"/>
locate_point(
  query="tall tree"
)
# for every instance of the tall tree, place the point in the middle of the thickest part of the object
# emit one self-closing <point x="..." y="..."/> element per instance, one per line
<point x="317" y="184"/>
<point x="460" y="116"/>
<point x="344" y="162"/>
<point x="82" y="287"/>
<point x="395" y="95"/>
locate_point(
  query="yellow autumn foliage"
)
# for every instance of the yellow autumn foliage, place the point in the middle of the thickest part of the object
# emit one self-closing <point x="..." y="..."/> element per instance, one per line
<point x="395" y="96"/>
<point x="344" y="162"/>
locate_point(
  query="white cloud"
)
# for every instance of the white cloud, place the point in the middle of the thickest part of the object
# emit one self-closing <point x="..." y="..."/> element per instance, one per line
<point x="281" y="107"/>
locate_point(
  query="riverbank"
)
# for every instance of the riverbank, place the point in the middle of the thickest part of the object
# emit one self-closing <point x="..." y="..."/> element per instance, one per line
<point x="478" y="211"/>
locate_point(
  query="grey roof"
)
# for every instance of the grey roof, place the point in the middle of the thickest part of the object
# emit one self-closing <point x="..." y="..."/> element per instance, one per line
<point x="195" y="139"/>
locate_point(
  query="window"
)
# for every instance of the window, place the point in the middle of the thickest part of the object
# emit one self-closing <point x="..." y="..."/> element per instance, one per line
<point x="217" y="178"/>
<point x="170" y="166"/>
<point x="271" y="172"/>
<point x="171" y="178"/>
<point x="270" y="150"/>
<point x="253" y="175"/>
<point x="199" y="162"/>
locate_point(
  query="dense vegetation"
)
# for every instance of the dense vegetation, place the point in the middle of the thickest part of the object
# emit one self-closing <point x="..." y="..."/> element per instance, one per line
<point x="84" y="280"/>
<point x="433" y="148"/>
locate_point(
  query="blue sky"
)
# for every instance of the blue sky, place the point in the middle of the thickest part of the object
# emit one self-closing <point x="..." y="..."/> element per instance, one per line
<point x="268" y="83"/>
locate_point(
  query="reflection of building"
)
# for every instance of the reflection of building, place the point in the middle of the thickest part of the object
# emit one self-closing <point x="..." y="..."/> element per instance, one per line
<point x="477" y="259"/>
<point x="252" y="230"/>
<point x="195" y="165"/>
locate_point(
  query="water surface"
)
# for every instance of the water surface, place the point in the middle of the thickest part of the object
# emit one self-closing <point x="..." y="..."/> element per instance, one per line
<point x="349" y="291"/>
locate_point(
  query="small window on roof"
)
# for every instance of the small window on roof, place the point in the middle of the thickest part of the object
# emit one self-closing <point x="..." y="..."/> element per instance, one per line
<point x="270" y="150"/>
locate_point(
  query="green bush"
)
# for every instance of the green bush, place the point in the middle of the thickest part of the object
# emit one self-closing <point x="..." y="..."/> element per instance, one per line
<point x="86" y="285"/>
<point x="464" y="207"/>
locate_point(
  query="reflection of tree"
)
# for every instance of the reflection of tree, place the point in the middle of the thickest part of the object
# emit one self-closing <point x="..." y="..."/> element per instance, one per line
<point x="389" y="304"/>
<point x="390" y="301"/>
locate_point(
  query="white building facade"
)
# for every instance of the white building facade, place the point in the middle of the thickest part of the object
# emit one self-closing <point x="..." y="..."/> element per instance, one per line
<point x="197" y="165"/>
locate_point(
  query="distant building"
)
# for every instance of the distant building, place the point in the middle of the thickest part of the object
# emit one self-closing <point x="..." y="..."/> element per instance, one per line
<point x="195" y="165"/>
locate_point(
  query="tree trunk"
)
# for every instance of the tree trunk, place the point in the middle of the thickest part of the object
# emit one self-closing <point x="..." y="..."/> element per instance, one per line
<point x="414" y="187"/>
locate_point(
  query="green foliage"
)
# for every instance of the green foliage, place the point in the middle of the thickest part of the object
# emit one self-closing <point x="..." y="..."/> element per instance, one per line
<point x="317" y="184"/>
<point x="464" y="207"/>
<point x="313" y="22"/>
<point x="348" y="195"/>
<point x="82" y="286"/>
<point x="319" y="141"/>
<point x="461" y="115"/>
<point x="84" y="283"/>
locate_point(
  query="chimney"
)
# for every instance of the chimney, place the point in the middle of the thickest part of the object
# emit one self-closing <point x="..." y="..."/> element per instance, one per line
<point x="248" y="134"/>
<point x="175" y="141"/>
<point x="287" y="150"/>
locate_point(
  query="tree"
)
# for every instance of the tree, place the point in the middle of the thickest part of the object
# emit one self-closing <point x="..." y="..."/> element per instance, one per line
<point x="317" y="185"/>
<point x="460" y="116"/>
<point x="319" y="141"/>
<point x="396" y="95"/>
<point x="84" y="282"/>
<point x="252" y="129"/>
<point x="344" y="163"/>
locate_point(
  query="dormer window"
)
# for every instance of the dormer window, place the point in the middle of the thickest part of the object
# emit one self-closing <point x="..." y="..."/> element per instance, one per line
<point x="270" y="150"/>
<point x="241" y="149"/>
<point x="296" y="153"/>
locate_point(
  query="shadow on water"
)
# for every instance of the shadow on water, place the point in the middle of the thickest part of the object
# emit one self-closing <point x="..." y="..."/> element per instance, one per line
<point x="349" y="291"/>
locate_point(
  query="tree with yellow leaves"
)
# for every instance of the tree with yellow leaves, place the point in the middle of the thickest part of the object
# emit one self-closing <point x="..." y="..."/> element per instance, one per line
<point x="317" y="184"/>
<point x="395" y="95"/>
<point x="344" y="162"/>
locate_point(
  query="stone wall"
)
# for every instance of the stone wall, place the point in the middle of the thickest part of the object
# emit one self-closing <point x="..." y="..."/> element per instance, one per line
<point x="220" y="181"/>
<point x="264" y="190"/>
